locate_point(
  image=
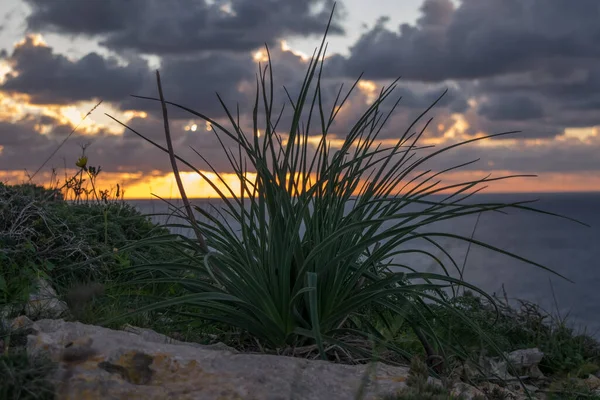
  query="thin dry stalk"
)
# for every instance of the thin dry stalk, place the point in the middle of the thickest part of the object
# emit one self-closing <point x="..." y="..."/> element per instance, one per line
<point x="186" y="203"/>
<point x="65" y="140"/>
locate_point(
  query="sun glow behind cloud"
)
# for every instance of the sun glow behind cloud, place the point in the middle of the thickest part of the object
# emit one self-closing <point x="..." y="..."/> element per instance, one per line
<point x="285" y="47"/>
<point x="36" y="39"/>
<point x="261" y="56"/>
<point x="369" y="89"/>
<point x="582" y="134"/>
<point x="18" y="107"/>
<point x="4" y="69"/>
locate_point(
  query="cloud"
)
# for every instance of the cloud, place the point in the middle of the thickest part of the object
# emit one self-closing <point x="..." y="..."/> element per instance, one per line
<point x="539" y="77"/>
<point x="289" y="70"/>
<point x="50" y="78"/>
<point x="567" y="156"/>
<point x="114" y="153"/>
<point x="538" y="102"/>
<point x="523" y="65"/>
<point x="25" y="148"/>
<point x="183" y="26"/>
<point x="479" y="39"/>
<point x="195" y="81"/>
<point x="128" y="153"/>
<point x="575" y="86"/>
<point x="511" y="107"/>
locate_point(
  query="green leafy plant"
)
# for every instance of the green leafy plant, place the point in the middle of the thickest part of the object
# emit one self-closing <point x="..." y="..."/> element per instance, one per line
<point x="322" y="233"/>
<point x="69" y="242"/>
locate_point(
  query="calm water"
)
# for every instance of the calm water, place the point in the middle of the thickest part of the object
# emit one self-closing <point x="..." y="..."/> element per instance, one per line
<point x="568" y="248"/>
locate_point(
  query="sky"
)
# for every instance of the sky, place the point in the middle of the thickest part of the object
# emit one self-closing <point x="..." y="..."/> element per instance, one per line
<point x="531" y="66"/>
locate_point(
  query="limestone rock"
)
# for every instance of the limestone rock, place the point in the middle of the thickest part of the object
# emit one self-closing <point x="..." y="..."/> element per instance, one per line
<point x="467" y="391"/>
<point x="525" y="362"/>
<point x="44" y="302"/>
<point x="592" y="382"/>
<point x="151" y="336"/>
<point x="21" y="322"/>
<point x="489" y="390"/>
<point x="96" y="363"/>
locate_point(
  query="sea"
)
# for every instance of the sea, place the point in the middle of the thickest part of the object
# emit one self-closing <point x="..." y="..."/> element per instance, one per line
<point x="566" y="247"/>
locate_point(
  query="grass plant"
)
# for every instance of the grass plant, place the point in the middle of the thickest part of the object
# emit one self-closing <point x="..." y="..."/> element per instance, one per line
<point x="70" y="235"/>
<point x="318" y="238"/>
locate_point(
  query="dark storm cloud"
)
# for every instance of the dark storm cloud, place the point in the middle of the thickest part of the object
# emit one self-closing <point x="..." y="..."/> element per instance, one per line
<point x="289" y="70"/>
<point x="183" y="26"/>
<point x="51" y="78"/>
<point x="576" y="89"/>
<point x="554" y="157"/>
<point x="536" y="65"/>
<point x="555" y="101"/>
<point x="195" y="81"/>
<point x="23" y="148"/>
<point x="480" y="39"/>
<point x="18" y="136"/>
<point x="417" y="96"/>
<point x="545" y="128"/>
<point x="511" y="107"/>
<point x="530" y="65"/>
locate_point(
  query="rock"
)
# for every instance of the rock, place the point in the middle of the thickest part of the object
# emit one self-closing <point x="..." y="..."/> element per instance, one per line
<point x="44" y="302"/>
<point x="493" y="391"/>
<point x="21" y="322"/>
<point x="152" y="336"/>
<point x="530" y="388"/>
<point x="592" y="382"/>
<point x="495" y="367"/>
<point x="467" y="391"/>
<point x="525" y="362"/>
<point x="516" y="387"/>
<point x="96" y="362"/>
<point x="488" y="390"/>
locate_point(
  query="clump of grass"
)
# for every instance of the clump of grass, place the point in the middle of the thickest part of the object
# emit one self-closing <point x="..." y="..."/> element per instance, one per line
<point x="22" y="248"/>
<point x="524" y="326"/>
<point x="322" y="233"/>
<point x="23" y="376"/>
<point x="71" y="235"/>
<point x="570" y="389"/>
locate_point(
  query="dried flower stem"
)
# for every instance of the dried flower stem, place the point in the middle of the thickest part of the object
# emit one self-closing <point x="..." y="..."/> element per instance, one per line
<point x="184" y="198"/>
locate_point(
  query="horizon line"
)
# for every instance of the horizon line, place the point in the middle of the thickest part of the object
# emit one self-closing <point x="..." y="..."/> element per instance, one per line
<point x="595" y="192"/>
